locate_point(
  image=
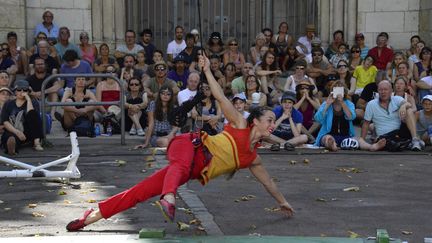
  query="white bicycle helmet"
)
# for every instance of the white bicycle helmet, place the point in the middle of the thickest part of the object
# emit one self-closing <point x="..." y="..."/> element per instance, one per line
<point x="349" y="143"/>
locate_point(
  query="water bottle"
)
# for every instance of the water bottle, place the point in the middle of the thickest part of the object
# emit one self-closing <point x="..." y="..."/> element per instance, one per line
<point x="97" y="130"/>
<point x="109" y="129"/>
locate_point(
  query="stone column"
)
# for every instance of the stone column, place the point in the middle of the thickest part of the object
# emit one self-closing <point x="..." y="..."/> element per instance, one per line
<point x="119" y="20"/>
<point x="97" y="21"/>
<point x="108" y="22"/>
<point x="351" y="22"/>
<point x="324" y="16"/>
<point x="338" y="15"/>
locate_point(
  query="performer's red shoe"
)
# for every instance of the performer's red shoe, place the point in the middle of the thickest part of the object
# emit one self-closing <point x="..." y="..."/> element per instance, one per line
<point x="167" y="209"/>
<point x="78" y="224"/>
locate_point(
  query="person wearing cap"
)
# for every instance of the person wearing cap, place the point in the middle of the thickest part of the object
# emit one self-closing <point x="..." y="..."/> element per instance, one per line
<point x="191" y="51"/>
<point x="335" y="116"/>
<point x="239" y="103"/>
<point x="305" y="41"/>
<point x="382" y="55"/>
<point x="146" y="43"/>
<point x="288" y="124"/>
<point x="175" y="46"/>
<point x="333" y="49"/>
<point x="21" y="120"/>
<point x="196" y="35"/>
<point x="424" y="120"/>
<point x="89" y="51"/>
<point x="64" y="44"/>
<point x="5" y="95"/>
<point x="180" y="73"/>
<point x="154" y="84"/>
<point x="215" y="45"/>
<point x="129" y="47"/>
<point x="360" y="41"/>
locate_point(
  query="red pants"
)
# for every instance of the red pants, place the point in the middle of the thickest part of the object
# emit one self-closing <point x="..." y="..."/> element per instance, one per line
<point x="180" y="154"/>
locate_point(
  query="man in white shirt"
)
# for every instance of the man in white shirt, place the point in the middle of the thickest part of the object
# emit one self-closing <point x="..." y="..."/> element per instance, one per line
<point x="176" y="46"/>
<point x="424" y="87"/>
<point x="305" y="42"/>
<point x="191" y="89"/>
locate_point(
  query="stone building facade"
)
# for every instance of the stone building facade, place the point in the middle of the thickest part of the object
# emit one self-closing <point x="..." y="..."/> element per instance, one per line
<point x="106" y="20"/>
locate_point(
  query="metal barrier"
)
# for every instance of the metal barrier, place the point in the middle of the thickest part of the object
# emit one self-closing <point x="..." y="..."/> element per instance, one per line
<point x="121" y="102"/>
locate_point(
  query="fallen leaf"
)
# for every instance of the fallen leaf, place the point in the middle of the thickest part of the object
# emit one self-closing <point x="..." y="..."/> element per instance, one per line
<point x="194" y="221"/>
<point x="10" y="184"/>
<point x="201" y="228"/>
<point x="61" y="193"/>
<point x="67" y="202"/>
<point x="121" y="162"/>
<point x="320" y="199"/>
<point x="306" y="161"/>
<point x="143" y="171"/>
<point x="1" y="202"/>
<point x="353" y="234"/>
<point x="317" y="179"/>
<point x="154" y="151"/>
<point x="38" y="215"/>
<point x="293" y="162"/>
<point x="186" y="210"/>
<point x="50" y="190"/>
<point x="404" y="232"/>
<point x="149" y="158"/>
<point x="275" y="179"/>
<point x="93" y="190"/>
<point x="323" y="235"/>
<point x="352" y="189"/>
<point x="7" y="209"/>
<point x="182" y="226"/>
<point x="32" y="205"/>
<point x="236" y="200"/>
<point x="91" y="200"/>
<point x="252" y="227"/>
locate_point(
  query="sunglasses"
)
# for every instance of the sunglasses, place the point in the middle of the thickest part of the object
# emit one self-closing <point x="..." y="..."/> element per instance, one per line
<point x="160" y="69"/>
<point x="233" y="44"/>
<point x="303" y="87"/>
<point x="22" y="90"/>
<point x="134" y="84"/>
<point x="341" y="66"/>
<point x="356" y="51"/>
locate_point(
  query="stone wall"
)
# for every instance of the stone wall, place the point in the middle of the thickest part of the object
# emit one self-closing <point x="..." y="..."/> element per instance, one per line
<point x="75" y="14"/>
<point x="12" y="18"/>
<point x="425" y="21"/>
<point x="399" y="18"/>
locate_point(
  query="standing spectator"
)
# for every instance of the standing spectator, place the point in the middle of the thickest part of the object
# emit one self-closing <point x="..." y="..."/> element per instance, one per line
<point x="104" y="60"/>
<point x="48" y="27"/>
<point x="176" y="46"/>
<point x="21" y="120"/>
<point x="363" y="75"/>
<point x="136" y="103"/>
<point x="130" y="47"/>
<point x="393" y="120"/>
<point x="215" y="45"/>
<point x="335" y="116"/>
<point x="18" y="53"/>
<point x="6" y="62"/>
<point x="355" y="58"/>
<point x="153" y="86"/>
<point x="51" y="63"/>
<point x="191" y="51"/>
<point x="64" y="45"/>
<point x="234" y="55"/>
<point x="255" y="55"/>
<point x="382" y="55"/>
<point x="146" y="43"/>
<point x="360" y="42"/>
<point x="333" y="49"/>
<point x="424" y="120"/>
<point x="180" y="73"/>
<point x="72" y="64"/>
<point x="89" y="51"/>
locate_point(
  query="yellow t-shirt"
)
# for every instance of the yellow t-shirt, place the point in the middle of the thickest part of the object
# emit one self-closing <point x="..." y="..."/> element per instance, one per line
<point x="364" y="77"/>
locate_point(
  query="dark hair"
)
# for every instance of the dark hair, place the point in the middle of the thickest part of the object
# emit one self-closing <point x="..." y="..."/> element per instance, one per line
<point x="230" y="64"/>
<point x="129" y="55"/>
<point x="373" y="58"/>
<point x="141" y="89"/>
<point x="103" y="44"/>
<point x="158" y="112"/>
<point x="415" y="36"/>
<point x="159" y="51"/>
<point x="424" y="49"/>
<point x="8" y="50"/>
<point x="146" y="31"/>
<point x="70" y="55"/>
<point x="355" y="47"/>
<point x="219" y="43"/>
<point x="178" y="27"/>
<point x="189" y="36"/>
<point x="130" y="31"/>
<point x="267" y="29"/>
<point x="272" y="66"/>
<point x="383" y="34"/>
<point x="317" y="49"/>
<point x="404" y="63"/>
<point x="257" y="112"/>
<point x="11" y="34"/>
<point x="343" y="44"/>
<point x="257" y="83"/>
<point x="280" y="25"/>
<point x="338" y="32"/>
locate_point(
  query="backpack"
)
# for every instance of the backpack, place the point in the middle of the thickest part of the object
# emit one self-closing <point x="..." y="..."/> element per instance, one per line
<point x="83" y="127"/>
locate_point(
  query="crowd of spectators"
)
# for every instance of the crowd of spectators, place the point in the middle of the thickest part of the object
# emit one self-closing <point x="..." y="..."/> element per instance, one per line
<point x="319" y="95"/>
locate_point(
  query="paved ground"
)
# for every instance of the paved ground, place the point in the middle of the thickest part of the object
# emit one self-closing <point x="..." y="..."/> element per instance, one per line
<point x="394" y="193"/>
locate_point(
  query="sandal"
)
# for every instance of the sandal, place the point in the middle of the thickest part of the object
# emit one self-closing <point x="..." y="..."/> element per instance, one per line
<point x="289" y="147"/>
<point x="275" y="147"/>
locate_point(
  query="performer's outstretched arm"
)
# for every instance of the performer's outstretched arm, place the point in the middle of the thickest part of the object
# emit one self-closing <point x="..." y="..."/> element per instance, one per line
<point x="258" y="170"/>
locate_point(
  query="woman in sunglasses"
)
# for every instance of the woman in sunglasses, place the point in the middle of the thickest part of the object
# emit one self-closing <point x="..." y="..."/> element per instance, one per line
<point x="89" y="51"/>
<point x="355" y="58"/>
<point x="21" y="120"/>
<point x="6" y="61"/>
<point x="234" y="55"/>
<point x="160" y="132"/>
<point x="299" y="75"/>
<point x="136" y="103"/>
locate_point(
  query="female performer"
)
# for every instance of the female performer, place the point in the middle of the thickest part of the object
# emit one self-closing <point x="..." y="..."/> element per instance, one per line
<point x="235" y="148"/>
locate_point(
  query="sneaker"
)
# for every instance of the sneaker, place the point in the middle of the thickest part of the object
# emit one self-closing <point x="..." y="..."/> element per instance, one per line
<point x="132" y="131"/>
<point x="167" y="209"/>
<point x="416" y="145"/>
<point x="78" y="224"/>
<point x="289" y="147"/>
<point x="275" y="147"/>
<point x="140" y="132"/>
<point x="38" y="147"/>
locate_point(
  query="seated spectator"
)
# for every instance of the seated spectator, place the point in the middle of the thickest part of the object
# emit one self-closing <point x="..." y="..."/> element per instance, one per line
<point x="191" y="51"/>
<point x="381" y="54"/>
<point x="78" y="93"/>
<point x="339" y="56"/>
<point x="413" y="40"/>
<point x="41" y="36"/>
<point x="215" y="45"/>
<point x="307" y="104"/>
<point x="291" y="58"/>
<point x="319" y="70"/>
<point x="403" y="71"/>
<point x="335" y="116"/>
<point x="415" y="57"/>
<point x="105" y="59"/>
<point x="51" y="63"/>
<point x="369" y="93"/>
<point x="157" y="57"/>
<point x="298" y="76"/>
<point x="7" y="63"/>
<point x="421" y="68"/>
<point x="89" y="51"/>
<point x="18" y="53"/>
<point x="268" y="72"/>
<point x="141" y="63"/>
<point x="48" y="27"/>
<point x="128" y="70"/>
<point x="239" y="102"/>
<point x="393" y="120"/>
<point x="254" y="55"/>
<point x="107" y="90"/>
<point x="360" y="42"/>
<point x="153" y="86"/>
<point x="180" y="73"/>
<point x="21" y="120"/>
<point x="343" y="74"/>
<point x="424" y="120"/>
<point x="64" y="45"/>
<point x="229" y="76"/>
<point x="355" y="59"/>
<point x="215" y="67"/>
<point x="234" y="55"/>
<point x="281" y="40"/>
<point x="73" y="65"/>
<point x="207" y="114"/>
<point x="149" y="48"/>
<point x="334" y="48"/>
<point x="392" y="68"/>
<point x="136" y="104"/>
<point x="253" y="94"/>
<point x="5" y="96"/>
<point x="401" y="89"/>
<point x="288" y="124"/>
<point x="424" y="86"/>
<point x="238" y="85"/>
<point x="130" y="47"/>
<point x="4" y="79"/>
<point x="362" y="76"/>
<point x="191" y="88"/>
<point x="160" y="132"/>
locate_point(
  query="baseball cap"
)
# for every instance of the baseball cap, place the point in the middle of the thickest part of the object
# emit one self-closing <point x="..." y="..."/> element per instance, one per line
<point x="427" y="97"/>
<point x="180" y="58"/>
<point x="289" y="95"/>
<point x="6" y="89"/>
<point x="216" y="35"/>
<point x="240" y="96"/>
<point x="194" y="32"/>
